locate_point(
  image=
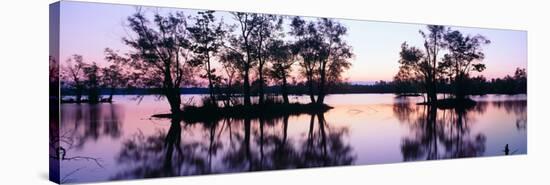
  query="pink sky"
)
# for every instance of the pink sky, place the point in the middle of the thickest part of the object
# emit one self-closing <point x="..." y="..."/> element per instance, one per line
<point x="88" y="28"/>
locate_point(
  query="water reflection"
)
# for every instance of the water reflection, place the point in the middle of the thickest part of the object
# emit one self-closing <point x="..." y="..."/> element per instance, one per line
<point x="361" y="129"/>
<point x="79" y="125"/>
<point x="85" y="123"/>
<point x="440" y="134"/>
<point x="252" y="145"/>
<point x="516" y="107"/>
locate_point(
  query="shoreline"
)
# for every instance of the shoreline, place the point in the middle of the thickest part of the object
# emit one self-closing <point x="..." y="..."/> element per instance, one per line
<point x="194" y="114"/>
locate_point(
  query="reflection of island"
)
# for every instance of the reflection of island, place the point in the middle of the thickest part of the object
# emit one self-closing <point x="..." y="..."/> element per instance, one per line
<point x="253" y="145"/>
<point x="440" y="134"/>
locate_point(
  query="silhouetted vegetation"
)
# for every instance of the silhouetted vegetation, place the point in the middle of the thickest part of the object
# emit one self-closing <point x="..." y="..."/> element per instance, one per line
<point x="160" y="54"/>
<point x="421" y="66"/>
<point x="83" y="79"/>
<point x="235" y="84"/>
<point x="323" y="51"/>
<point x="170" y="51"/>
<point x="267" y="110"/>
<point x="425" y="72"/>
<point x="206" y="41"/>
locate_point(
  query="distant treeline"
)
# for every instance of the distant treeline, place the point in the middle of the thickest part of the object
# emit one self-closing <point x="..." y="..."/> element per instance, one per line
<point x="516" y="84"/>
<point x="477" y="86"/>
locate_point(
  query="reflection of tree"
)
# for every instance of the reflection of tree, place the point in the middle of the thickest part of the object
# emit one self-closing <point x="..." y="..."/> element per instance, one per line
<point x="324" y="147"/>
<point x="79" y="124"/>
<point x="442" y="135"/>
<point x="252" y="145"/>
<point x="239" y="158"/>
<point x="91" y="122"/>
<point x="153" y="156"/>
<point x="404" y="110"/>
<point x="283" y="154"/>
<point x="517" y="107"/>
<point x="61" y="152"/>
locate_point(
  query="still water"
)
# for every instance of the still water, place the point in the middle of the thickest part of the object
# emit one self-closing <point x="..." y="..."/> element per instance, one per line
<point x="122" y="141"/>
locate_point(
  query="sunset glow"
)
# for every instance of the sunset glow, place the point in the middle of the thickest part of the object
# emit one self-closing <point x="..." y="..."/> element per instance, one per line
<point x="376" y="45"/>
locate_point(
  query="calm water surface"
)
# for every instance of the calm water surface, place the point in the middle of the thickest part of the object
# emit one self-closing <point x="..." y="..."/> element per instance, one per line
<point x="361" y="129"/>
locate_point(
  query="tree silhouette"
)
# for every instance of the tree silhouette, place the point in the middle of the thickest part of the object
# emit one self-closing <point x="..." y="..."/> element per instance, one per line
<point x="74" y="71"/>
<point x="114" y="75"/>
<point x="323" y="51"/>
<point x="205" y="41"/>
<point x="232" y="76"/>
<point x="267" y="30"/>
<point x="421" y="66"/>
<point x="414" y="68"/>
<point x="433" y="44"/>
<point x="338" y="53"/>
<point x="92" y="82"/>
<point x="160" y="54"/>
<point x="281" y="58"/>
<point x="241" y="48"/>
<point x="465" y="55"/>
<point x="308" y="47"/>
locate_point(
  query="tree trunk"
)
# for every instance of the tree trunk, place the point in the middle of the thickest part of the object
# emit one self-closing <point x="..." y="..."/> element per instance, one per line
<point x="284" y="91"/>
<point x="459" y="87"/>
<point x="246" y="87"/>
<point x="261" y="89"/>
<point x="174" y="100"/>
<point x="260" y="70"/>
<point x="171" y="92"/>
<point x="93" y="95"/>
<point x="432" y="95"/>
<point x="321" y="96"/>
<point x="210" y="85"/>
<point x="78" y="92"/>
<point x="310" y="89"/>
<point x="110" y="99"/>
<point x="246" y="74"/>
<point x="228" y="94"/>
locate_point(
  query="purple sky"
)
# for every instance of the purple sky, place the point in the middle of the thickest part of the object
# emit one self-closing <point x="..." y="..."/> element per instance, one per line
<point x="88" y="28"/>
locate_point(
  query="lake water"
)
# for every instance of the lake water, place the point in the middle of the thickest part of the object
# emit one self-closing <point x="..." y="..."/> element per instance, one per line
<point x="361" y="129"/>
